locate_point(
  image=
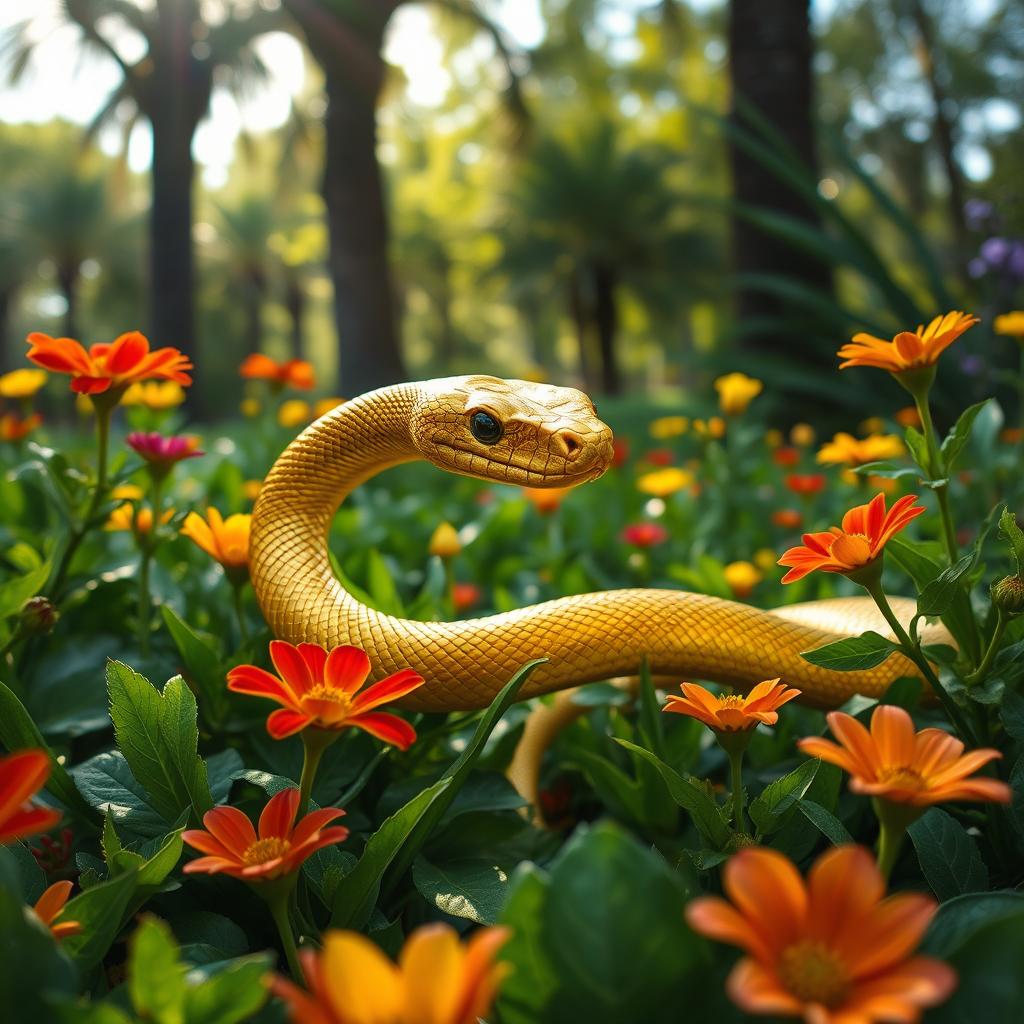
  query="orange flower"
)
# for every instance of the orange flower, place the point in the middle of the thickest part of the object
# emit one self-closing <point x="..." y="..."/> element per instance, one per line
<point x="319" y="689"/>
<point x="907" y="350"/>
<point x="787" y="456"/>
<point x="232" y="845"/>
<point x="16" y="428"/>
<point x="296" y="373"/>
<point x="103" y="367"/>
<point x="466" y="596"/>
<point x="224" y="540"/>
<point x="908" y="416"/>
<point x="545" y="500"/>
<point x="866" y="530"/>
<point x="830" y="950"/>
<point x="50" y="905"/>
<point x="732" y="713"/>
<point x="135" y="518"/>
<point x="788" y="518"/>
<point x="22" y="775"/>
<point x="806" y="483"/>
<point x="437" y="979"/>
<point x="902" y="766"/>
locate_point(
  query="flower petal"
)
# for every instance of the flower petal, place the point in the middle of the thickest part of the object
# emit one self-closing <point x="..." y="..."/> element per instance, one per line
<point x="393" y="688"/>
<point x="285" y="722"/>
<point x="347" y="668"/>
<point x="389" y="728"/>
<point x="279" y="814"/>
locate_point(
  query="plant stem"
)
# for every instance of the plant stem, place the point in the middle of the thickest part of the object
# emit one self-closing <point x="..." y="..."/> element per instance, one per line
<point x="243" y="629"/>
<point x="936" y="470"/>
<point x="993" y="647"/>
<point x="890" y="841"/>
<point x="913" y="652"/>
<point x="278" y="905"/>
<point x="145" y="618"/>
<point x="314" y="743"/>
<point x="736" y="771"/>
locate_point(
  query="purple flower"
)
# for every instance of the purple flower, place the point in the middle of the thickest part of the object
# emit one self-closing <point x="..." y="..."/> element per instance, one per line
<point x="977" y="213"/>
<point x="972" y="365"/>
<point x="163" y="452"/>
<point x="994" y="252"/>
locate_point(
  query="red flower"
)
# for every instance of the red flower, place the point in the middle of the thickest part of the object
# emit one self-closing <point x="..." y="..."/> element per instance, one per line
<point x="319" y="689"/>
<point x="786" y="457"/>
<point x="232" y="845"/>
<point x="806" y="483"/>
<point x="296" y="373"/>
<point x="21" y="776"/>
<point x="620" y="452"/>
<point x="644" y="535"/>
<point x="123" y="362"/>
<point x="660" y="457"/>
<point x="16" y="428"/>
<point x="465" y="596"/>
<point x="788" y="518"/>
<point x="163" y="452"/>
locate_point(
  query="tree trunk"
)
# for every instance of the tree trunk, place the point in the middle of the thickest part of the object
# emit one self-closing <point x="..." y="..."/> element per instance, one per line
<point x="254" y="293"/>
<point x="295" y="303"/>
<point x="606" y="320"/>
<point x="67" y="281"/>
<point x="770" y="53"/>
<point x="447" y="341"/>
<point x="7" y="297"/>
<point x="581" y="320"/>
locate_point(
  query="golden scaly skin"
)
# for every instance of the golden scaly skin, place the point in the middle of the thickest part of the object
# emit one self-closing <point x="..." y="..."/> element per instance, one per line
<point x="552" y="438"/>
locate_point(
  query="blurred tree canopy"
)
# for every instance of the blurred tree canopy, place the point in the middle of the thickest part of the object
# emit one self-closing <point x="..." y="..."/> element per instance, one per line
<point x="583" y="209"/>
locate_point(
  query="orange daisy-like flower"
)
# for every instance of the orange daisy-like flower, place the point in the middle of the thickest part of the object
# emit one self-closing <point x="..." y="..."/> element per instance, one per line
<point x="322" y="690"/>
<point x="233" y="847"/>
<point x="865" y="532"/>
<point x="732" y="713"/>
<point x="296" y="373"/>
<point x="117" y="365"/>
<point x="224" y="540"/>
<point x="831" y="950"/>
<point x="22" y="775"/>
<point x="902" y="766"/>
<point x="908" y="350"/>
<point x="437" y="979"/>
<point x="16" y="428"/>
<point x="49" y="906"/>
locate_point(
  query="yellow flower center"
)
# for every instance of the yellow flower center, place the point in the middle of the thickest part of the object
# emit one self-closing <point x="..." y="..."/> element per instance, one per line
<point x="732" y="701"/>
<point x="814" y="974"/>
<point x="904" y="778"/>
<point x="324" y="692"/>
<point x="264" y="850"/>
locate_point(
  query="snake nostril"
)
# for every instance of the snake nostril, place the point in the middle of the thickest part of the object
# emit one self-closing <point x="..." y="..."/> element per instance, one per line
<point x="570" y="443"/>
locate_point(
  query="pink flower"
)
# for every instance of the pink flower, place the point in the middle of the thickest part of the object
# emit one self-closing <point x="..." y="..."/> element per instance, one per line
<point x="163" y="452"/>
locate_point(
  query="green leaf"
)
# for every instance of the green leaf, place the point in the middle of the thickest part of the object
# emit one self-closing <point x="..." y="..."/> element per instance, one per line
<point x="938" y="596"/>
<point x="202" y="666"/>
<point x="825" y="822"/>
<point x="962" y="917"/>
<point x="14" y="593"/>
<point x="1012" y="714"/>
<point x="156" y="975"/>
<point x="887" y="470"/>
<point x="691" y="796"/>
<point x="914" y="559"/>
<point x="1011" y="532"/>
<point x="769" y="809"/>
<point x="230" y="996"/>
<point x="100" y="910"/>
<point x="109" y="786"/>
<point x="159" y="736"/>
<point x="18" y="731"/>
<point x="918" y="447"/>
<point x="381" y="585"/>
<point x="948" y="856"/>
<point x="472" y="889"/>
<point x="357" y="891"/>
<point x="852" y="654"/>
<point x="960" y="434"/>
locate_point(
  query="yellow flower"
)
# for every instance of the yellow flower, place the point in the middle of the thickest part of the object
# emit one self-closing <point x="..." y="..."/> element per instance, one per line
<point x="773" y="438"/>
<point x="764" y="559"/>
<point x="445" y="541"/>
<point x="294" y="413"/>
<point x="664" y="482"/>
<point x="127" y="492"/>
<point x="130" y="516"/>
<point x="225" y="540"/>
<point x="713" y="427"/>
<point x="742" y="577"/>
<point x="251" y="489"/>
<point x="666" y="427"/>
<point x="872" y="425"/>
<point x="802" y="435"/>
<point x="250" y="408"/>
<point x="22" y="383"/>
<point x="1010" y="324"/>
<point x="325" y="405"/>
<point x="736" y="391"/>
<point x="154" y="394"/>
<point x="847" y="450"/>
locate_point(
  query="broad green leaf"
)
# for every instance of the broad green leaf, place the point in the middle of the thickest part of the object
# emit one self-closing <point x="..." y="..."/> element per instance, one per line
<point x="100" y="910"/>
<point x="769" y="809"/>
<point x="1012" y="714"/>
<point x="473" y="889"/>
<point x="202" y="666"/>
<point x="18" y="731"/>
<point x="230" y="996"/>
<point x="961" y="433"/>
<point x="381" y="584"/>
<point x="948" y="856"/>
<point x="109" y="786"/>
<point x="612" y="785"/>
<point x="159" y="736"/>
<point x="825" y="822"/>
<point x="938" y="596"/>
<point x="918" y="448"/>
<point x="887" y="470"/>
<point x="156" y="975"/>
<point x="1011" y="532"/>
<point x="691" y="796"/>
<point x="852" y="654"/>
<point x="14" y="593"/>
<point x="921" y="562"/>
<point x="962" y="917"/>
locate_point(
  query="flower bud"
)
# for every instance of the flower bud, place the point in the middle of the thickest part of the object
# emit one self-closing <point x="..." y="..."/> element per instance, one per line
<point x="1008" y="594"/>
<point x="38" y="615"/>
<point x="445" y="541"/>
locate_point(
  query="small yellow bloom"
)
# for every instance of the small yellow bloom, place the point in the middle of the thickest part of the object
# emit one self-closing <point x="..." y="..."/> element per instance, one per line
<point x="326" y="405"/>
<point x="713" y="427"/>
<point x="742" y="577"/>
<point x="1010" y="324"/>
<point x="736" y="391"/>
<point x="666" y="427"/>
<point x="251" y="489"/>
<point x="157" y="395"/>
<point x="802" y="435"/>
<point x="664" y="482"/>
<point x="22" y="383"/>
<point x="225" y="540"/>
<point x="764" y="559"/>
<point x="250" y="408"/>
<point x="130" y="516"/>
<point x="872" y="425"/>
<point x="773" y="438"/>
<point x="127" y="492"/>
<point x="847" y="450"/>
<point x="294" y="413"/>
<point x="444" y="543"/>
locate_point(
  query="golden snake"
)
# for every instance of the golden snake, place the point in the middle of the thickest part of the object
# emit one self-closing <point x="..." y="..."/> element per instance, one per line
<point x="516" y="432"/>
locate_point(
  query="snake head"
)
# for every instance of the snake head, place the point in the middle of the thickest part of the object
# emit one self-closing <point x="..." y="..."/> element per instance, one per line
<point x="511" y="431"/>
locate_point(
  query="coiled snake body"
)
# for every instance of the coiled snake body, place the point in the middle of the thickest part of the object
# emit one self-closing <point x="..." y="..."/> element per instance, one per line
<point x="516" y="432"/>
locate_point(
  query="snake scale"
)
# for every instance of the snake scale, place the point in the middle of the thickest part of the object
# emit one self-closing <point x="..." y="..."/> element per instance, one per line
<point x="517" y="432"/>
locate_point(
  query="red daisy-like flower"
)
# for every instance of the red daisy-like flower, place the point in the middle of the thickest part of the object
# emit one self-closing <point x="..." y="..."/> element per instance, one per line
<point x="22" y="775"/>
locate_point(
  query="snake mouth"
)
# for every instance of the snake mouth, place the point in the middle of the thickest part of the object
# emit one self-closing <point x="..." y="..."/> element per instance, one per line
<point x="532" y="477"/>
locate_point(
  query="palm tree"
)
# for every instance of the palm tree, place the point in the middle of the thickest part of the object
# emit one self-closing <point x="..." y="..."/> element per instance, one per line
<point x="346" y="38"/>
<point x="170" y="86"/>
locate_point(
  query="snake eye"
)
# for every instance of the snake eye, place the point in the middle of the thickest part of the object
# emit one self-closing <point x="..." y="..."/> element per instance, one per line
<point x="485" y="427"/>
